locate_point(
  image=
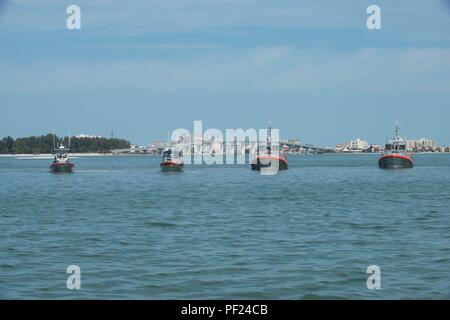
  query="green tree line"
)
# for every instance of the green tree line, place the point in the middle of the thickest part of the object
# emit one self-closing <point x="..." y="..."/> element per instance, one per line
<point x="44" y="144"/>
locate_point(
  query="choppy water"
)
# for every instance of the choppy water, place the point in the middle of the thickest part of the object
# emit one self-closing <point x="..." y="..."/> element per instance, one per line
<point x="225" y="232"/>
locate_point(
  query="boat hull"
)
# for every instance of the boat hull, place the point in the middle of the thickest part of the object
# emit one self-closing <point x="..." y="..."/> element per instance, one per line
<point x="61" y="167"/>
<point x="267" y="161"/>
<point x="171" y="166"/>
<point x="395" y="161"/>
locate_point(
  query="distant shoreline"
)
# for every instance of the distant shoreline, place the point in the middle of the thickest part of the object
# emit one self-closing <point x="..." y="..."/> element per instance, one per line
<point x="86" y="155"/>
<point x="379" y="153"/>
<point x="80" y="155"/>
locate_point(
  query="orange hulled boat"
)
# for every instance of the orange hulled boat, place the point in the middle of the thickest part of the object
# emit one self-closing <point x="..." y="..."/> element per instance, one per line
<point x="395" y="155"/>
<point x="268" y="159"/>
<point x="171" y="160"/>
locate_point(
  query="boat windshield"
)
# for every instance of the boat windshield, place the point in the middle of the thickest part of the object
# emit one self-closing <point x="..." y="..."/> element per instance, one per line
<point x="395" y="147"/>
<point x="167" y="155"/>
<point x="61" y="155"/>
<point x="171" y="154"/>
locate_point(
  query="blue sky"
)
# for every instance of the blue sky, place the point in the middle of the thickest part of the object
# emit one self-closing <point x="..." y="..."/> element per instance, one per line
<point x="147" y="67"/>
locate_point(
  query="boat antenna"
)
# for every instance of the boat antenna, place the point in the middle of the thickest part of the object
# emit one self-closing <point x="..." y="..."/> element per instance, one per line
<point x="397" y="133"/>
<point x="269" y="138"/>
<point x="397" y="129"/>
<point x="54" y="141"/>
<point x="69" y="141"/>
<point x="168" y="139"/>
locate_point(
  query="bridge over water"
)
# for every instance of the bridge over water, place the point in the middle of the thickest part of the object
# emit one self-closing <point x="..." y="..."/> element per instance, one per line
<point x="308" y="148"/>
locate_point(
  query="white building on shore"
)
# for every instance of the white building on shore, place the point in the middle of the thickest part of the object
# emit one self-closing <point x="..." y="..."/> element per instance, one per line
<point x="87" y="136"/>
<point x="422" y="144"/>
<point x="357" y="145"/>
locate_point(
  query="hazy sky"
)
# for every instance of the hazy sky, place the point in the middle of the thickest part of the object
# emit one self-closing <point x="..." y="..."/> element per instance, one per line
<point x="143" y="68"/>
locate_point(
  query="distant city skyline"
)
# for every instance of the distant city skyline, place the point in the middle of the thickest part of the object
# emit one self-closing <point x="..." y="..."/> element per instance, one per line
<point x="351" y="143"/>
<point x="310" y="67"/>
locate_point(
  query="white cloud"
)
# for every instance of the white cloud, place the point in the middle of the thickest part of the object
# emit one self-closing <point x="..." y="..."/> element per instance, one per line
<point x="235" y="65"/>
<point x="264" y="68"/>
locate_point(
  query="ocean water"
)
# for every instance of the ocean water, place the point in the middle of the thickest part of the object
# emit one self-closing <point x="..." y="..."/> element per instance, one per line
<point x="225" y="232"/>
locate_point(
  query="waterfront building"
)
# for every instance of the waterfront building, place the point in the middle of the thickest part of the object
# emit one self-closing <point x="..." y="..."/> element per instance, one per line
<point x="421" y="145"/>
<point x="374" y="148"/>
<point x="341" y="147"/>
<point x="358" y="145"/>
<point x="87" y="136"/>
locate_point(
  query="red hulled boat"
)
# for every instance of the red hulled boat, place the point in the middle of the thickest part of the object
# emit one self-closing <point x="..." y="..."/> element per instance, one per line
<point x="61" y="162"/>
<point x="394" y="155"/>
<point x="171" y="160"/>
<point x="268" y="160"/>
